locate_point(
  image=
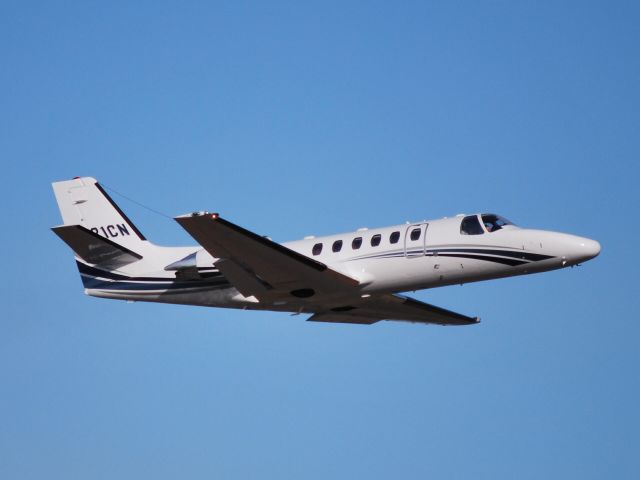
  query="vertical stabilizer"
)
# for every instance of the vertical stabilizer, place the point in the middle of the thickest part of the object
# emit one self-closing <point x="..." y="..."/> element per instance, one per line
<point x="83" y="201"/>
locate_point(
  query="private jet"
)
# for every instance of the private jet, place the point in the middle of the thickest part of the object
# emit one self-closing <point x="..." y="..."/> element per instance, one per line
<point x="355" y="277"/>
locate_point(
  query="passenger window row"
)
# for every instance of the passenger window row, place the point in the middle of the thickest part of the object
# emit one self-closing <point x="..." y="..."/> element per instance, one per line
<point x="356" y="243"/>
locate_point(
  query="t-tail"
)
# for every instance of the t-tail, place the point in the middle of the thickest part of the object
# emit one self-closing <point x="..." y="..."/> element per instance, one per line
<point x="106" y="244"/>
<point x="94" y="226"/>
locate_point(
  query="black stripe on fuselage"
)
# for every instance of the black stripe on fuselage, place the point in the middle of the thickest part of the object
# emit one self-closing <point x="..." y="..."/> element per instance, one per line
<point x="513" y="257"/>
<point x="95" y="278"/>
<point x="97" y="272"/>
<point x="504" y="261"/>
<point x="94" y="283"/>
<point x="534" y="257"/>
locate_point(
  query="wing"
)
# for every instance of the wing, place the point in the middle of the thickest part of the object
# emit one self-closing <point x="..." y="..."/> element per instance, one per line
<point x="260" y="267"/>
<point x="391" y="307"/>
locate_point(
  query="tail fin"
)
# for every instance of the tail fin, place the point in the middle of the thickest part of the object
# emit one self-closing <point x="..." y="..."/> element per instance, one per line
<point x="82" y="201"/>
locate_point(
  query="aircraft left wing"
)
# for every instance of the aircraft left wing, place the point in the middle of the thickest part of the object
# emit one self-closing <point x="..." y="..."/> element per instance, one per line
<point x="261" y="267"/>
<point x="390" y="306"/>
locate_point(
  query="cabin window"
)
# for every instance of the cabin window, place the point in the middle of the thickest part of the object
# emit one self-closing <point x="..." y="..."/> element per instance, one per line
<point x="493" y="222"/>
<point x="471" y="226"/>
<point x="337" y="246"/>
<point x="415" y="234"/>
<point x="394" y="237"/>
<point x="375" y="240"/>
<point x="317" y="249"/>
<point x="357" y="243"/>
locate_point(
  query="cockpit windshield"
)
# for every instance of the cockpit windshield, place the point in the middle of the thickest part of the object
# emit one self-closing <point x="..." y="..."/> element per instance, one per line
<point x="471" y="225"/>
<point x="493" y="222"/>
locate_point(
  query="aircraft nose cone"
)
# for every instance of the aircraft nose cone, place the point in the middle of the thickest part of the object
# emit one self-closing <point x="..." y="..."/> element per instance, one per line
<point x="588" y="249"/>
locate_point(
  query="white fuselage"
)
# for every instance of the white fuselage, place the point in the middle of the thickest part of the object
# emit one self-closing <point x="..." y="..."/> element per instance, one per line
<point x="406" y="257"/>
<point x="442" y="256"/>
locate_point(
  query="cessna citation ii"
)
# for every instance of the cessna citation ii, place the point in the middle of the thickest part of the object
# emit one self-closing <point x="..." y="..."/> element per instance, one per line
<point x="353" y="277"/>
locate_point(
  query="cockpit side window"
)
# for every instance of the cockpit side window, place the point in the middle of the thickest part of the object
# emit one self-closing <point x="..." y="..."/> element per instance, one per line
<point x="471" y="226"/>
<point x="493" y="222"/>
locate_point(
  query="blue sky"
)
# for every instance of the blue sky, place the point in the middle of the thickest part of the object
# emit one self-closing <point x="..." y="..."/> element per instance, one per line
<point x="294" y="119"/>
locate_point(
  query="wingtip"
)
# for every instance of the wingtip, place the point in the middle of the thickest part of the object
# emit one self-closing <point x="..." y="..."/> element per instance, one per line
<point x="202" y="213"/>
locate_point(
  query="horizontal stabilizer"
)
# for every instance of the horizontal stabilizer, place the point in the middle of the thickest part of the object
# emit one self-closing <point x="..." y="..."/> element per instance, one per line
<point x="94" y="249"/>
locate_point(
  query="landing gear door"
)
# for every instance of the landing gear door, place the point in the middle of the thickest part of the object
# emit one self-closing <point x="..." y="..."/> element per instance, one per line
<point x="415" y="238"/>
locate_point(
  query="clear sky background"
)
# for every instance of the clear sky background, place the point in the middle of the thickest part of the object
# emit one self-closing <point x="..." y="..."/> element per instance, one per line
<point x="299" y="118"/>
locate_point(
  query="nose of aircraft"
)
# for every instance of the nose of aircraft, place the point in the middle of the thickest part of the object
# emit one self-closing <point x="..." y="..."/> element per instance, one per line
<point x="587" y="249"/>
<point x="565" y="249"/>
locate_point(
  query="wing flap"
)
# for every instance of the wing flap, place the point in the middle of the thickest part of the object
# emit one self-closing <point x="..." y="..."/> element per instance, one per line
<point x="245" y="281"/>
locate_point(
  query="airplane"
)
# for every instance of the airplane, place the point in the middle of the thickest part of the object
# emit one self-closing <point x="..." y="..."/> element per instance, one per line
<point x="355" y="277"/>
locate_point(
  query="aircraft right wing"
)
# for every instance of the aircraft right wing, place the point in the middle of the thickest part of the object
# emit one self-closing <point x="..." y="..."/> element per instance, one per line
<point x="395" y="307"/>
